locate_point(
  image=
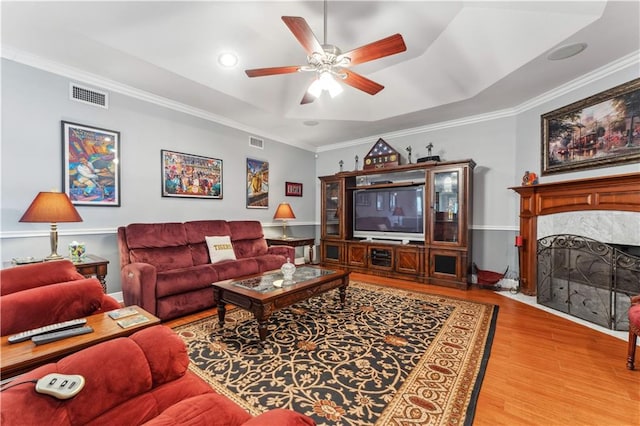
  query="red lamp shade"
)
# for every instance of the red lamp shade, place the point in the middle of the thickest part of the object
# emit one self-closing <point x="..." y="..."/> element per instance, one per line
<point x="52" y="207"/>
<point x="284" y="212"/>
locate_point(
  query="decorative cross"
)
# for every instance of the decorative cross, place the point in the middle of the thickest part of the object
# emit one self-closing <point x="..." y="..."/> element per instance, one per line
<point x="341" y="163"/>
<point x="409" y="151"/>
<point x="356" y="162"/>
<point x="429" y="149"/>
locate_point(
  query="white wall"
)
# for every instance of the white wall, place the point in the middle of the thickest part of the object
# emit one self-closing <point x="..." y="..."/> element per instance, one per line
<point x="33" y="104"/>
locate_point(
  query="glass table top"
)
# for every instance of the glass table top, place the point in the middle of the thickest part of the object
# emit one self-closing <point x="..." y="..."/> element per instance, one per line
<point x="268" y="281"/>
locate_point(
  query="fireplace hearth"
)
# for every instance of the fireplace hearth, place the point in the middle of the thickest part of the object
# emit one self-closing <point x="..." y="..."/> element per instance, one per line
<point x="587" y="279"/>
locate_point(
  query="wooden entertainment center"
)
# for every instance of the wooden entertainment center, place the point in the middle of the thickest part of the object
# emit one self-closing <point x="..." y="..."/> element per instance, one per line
<point x="427" y="239"/>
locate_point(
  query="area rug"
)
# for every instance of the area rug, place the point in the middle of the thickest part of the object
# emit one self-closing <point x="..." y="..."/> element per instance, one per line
<point x="387" y="357"/>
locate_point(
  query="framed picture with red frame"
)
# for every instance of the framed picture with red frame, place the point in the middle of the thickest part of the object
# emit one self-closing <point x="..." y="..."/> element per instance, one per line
<point x="293" y="189"/>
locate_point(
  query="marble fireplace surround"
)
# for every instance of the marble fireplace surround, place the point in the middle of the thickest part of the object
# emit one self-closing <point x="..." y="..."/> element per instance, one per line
<point x="611" y="227"/>
<point x="603" y="208"/>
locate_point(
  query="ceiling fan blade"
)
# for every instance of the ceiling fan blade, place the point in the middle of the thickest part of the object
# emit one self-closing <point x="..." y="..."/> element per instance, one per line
<point x="362" y="83"/>
<point x="261" y="72"/>
<point x="378" y="49"/>
<point x="307" y="98"/>
<point x="303" y="33"/>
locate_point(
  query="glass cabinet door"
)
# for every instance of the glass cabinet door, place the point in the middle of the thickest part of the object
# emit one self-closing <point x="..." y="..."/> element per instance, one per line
<point x="446" y="222"/>
<point x="331" y="209"/>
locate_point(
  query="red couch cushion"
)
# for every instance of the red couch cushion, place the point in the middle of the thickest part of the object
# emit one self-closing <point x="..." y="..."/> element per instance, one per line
<point x="164" y="259"/>
<point x="245" y="230"/>
<point x="209" y="409"/>
<point x="178" y="281"/>
<point x="24" y="277"/>
<point x="131" y="379"/>
<point x="154" y="235"/>
<point x="49" y="304"/>
<point x="197" y="230"/>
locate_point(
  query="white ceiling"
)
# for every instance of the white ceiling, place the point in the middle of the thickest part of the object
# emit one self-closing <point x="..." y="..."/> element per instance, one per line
<point x="462" y="58"/>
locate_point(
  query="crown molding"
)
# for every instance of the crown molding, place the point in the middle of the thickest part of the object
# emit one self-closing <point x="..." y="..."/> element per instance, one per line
<point x="26" y="58"/>
<point x="53" y="67"/>
<point x="632" y="59"/>
<point x="580" y="82"/>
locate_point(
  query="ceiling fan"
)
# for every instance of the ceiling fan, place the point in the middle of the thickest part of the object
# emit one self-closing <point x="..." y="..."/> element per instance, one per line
<point x="329" y="63"/>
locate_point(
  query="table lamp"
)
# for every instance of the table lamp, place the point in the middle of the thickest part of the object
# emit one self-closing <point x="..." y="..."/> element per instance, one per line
<point x="284" y="212"/>
<point x="52" y="207"/>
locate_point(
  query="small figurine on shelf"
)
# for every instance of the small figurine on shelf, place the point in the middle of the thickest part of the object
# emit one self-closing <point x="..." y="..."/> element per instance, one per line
<point x="341" y="163"/>
<point x="356" y="163"/>
<point x="429" y="148"/>
<point x="409" y="151"/>
<point x="529" y="178"/>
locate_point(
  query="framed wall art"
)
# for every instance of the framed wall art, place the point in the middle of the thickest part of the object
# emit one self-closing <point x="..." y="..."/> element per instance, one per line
<point x="293" y="189"/>
<point x="188" y="175"/>
<point x="257" y="184"/>
<point x="91" y="165"/>
<point x="600" y="131"/>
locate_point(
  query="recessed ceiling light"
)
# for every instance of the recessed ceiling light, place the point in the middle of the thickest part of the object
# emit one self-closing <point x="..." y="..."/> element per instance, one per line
<point x="228" y="59"/>
<point x="566" y="51"/>
<point x="311" y="123"/>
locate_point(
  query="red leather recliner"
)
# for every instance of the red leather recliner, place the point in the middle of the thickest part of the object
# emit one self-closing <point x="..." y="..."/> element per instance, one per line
<point x="634" y="330"/>
<point x="40" y="294"/>
<point x="140" y="379"/>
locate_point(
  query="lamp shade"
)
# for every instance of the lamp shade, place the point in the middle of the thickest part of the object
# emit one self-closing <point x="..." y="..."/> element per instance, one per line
<point x="51" y="207"/>
<point x="284" y="211"/>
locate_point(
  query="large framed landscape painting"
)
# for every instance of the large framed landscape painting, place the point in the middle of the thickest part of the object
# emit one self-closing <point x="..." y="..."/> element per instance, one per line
<point x="257" y="184"/>
<point x="91" y="167"/>
<point x="600" y="131"/>
<point x="188" y="175"/>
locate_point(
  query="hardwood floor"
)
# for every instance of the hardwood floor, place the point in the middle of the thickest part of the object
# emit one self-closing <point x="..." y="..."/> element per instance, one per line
<point x="543" y="369"/>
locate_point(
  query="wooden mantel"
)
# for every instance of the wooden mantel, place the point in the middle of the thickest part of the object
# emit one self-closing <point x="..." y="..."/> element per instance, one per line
<point x="617" y="192"/>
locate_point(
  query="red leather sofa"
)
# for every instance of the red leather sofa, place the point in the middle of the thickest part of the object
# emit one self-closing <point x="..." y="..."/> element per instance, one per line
<point x="166" y="268"/>
<point x="40" y="294"/>
<point x="140" y="379"/>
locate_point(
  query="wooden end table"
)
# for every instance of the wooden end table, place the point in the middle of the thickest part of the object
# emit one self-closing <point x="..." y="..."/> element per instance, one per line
<point x="293" y="242"/>
<point x="18" y="358"/>
<point x="91" y="265"/>
<point x="258" y="295"/>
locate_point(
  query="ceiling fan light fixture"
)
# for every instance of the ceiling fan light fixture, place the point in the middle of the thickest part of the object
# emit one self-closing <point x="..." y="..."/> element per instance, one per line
<point x="315" y="89"/>
<point x="330" y="84"/>
<point x="325" y="81"/>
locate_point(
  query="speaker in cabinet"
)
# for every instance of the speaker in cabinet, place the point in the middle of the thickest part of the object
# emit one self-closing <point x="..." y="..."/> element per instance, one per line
<point x="444" y="264"/>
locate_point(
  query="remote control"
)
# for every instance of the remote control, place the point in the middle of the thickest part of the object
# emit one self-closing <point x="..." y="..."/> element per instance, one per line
<point x="26" y="335"/>
<point x="61" y="386"/>
<point x="41" y="339"/>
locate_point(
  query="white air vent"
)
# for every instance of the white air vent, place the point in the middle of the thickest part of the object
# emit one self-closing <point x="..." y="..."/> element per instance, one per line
<point x="256" y="143"/>
<point x="88" y="96"/>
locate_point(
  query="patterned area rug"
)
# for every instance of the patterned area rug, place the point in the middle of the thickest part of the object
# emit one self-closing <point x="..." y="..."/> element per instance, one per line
<point x="388" y="357"/>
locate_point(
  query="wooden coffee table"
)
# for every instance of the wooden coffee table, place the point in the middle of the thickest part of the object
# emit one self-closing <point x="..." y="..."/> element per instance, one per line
<point x="258" y="295"/>
<point x="18" y="358"/>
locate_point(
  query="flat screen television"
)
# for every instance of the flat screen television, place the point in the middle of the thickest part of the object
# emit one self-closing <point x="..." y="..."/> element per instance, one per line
<point x="395" y="213"/>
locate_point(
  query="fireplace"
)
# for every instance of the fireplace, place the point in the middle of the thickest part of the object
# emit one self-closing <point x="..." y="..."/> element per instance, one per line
<point x="616" y="193"/>
<point x="588" y="279"/>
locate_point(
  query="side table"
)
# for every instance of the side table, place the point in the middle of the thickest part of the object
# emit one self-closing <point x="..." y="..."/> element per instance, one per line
<point x="18" y="358"/>
<point x="92" y="265"/>
<point x="293" y="242"/>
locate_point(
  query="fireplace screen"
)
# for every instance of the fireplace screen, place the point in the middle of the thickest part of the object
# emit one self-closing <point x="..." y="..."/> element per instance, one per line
<point x="588" y="279"/>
